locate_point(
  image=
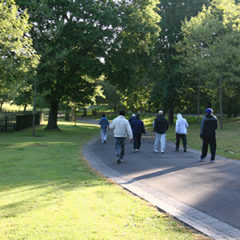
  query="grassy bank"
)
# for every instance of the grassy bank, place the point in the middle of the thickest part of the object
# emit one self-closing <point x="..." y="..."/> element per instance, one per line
<point x="47" y="192"/>
<point x="228" y="140"/>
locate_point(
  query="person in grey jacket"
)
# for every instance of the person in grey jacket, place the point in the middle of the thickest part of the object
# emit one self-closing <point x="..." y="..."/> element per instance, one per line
<point x="121" y="128"/>
<point x="104" y="126"/>
<point x="208" y="135"/>
<point x="181" y="132"/>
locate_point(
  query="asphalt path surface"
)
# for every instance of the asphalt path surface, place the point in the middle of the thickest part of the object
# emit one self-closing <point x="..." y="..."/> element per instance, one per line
<point x="213" y="189"/>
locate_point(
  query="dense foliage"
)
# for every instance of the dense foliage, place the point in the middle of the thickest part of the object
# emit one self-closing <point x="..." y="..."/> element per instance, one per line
<point x="141" y="55"/>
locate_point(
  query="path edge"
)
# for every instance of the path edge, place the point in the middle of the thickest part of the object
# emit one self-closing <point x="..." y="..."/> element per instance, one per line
<point x="200" y="221"/>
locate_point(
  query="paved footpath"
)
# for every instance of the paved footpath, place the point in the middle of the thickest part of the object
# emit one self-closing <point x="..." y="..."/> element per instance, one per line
<point x="206" y="196"/>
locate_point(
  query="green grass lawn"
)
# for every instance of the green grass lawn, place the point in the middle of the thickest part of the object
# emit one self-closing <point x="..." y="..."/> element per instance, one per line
<point x="228" y="138"/>
<point x="47" y="192"/>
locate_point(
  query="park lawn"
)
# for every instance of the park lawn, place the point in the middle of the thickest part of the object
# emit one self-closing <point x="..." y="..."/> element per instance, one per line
<point x="228" y="140"/>
<point x="48" y="192"/>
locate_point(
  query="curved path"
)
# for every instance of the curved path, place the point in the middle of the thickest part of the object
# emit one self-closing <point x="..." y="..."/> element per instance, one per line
<point x="206" y="196"/>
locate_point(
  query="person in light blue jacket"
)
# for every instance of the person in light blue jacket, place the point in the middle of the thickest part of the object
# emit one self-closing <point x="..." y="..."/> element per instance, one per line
<point x="181" y="132"/>
<point x="104" y="123"/>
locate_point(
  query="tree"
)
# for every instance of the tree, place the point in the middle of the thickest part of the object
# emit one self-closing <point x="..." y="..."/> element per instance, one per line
<point x="130" y="59"/>
<point x="169" y="77"/>
<point x="212" y="39"/>
<point x="17" y="55"/>
<point x="72" y="38"/>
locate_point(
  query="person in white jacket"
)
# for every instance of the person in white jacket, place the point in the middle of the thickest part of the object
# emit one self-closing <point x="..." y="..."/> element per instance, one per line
<point x="181" y="132"/>
<point x="121" y="128"/>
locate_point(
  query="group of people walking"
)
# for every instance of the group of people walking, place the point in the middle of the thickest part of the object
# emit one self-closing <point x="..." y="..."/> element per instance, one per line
<point x="134" y="128"/>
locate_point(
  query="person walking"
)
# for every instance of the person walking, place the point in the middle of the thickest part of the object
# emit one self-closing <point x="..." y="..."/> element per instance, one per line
<point x="160" y="128"/>
<point x="137" y="128"/>
<point x="104" y="123"/>
<point x="208" y="135"/>
<point x="133" y="117"/>
<point x="181" y="132"/>
<point x="122" y="128"/>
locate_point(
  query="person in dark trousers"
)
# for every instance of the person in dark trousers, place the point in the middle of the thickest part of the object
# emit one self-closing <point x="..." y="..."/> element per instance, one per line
<point x="138" y="129"/>
<point x="208" y="135"/>
<point x="121" y="128"/>
<point x="104" y="126"/>
<point x="181" y="132"/>
<point x="160" y="125"/>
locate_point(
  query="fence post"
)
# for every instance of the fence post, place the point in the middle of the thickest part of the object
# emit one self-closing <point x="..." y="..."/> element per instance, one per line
<point x="6" y="123"/>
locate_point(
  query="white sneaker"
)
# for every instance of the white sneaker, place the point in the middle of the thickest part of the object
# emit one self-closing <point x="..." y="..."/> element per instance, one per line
<point x="136" y="150"/>
<point x="156" y="151"/>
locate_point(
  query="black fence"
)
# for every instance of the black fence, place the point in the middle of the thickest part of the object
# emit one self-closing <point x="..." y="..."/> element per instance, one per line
<point x="18" y="121"/>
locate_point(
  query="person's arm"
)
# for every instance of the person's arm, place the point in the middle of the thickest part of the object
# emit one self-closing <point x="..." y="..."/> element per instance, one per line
<point x="202" y="127"/>
<point x="129" y="131"/>
<point x="143" y="128"/>
<point x="112" y="124"/>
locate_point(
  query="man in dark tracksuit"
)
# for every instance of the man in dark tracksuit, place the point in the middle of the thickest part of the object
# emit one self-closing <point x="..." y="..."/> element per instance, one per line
<point x="208" y="135"/>
<point x="137" y="128"/>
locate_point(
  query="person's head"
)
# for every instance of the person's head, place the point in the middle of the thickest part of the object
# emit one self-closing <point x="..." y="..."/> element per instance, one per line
<point x="160" y="113"/>
<point x="209" y="111"/>
<point x="137" y="116"/>
<point x="179" y="115"/>
<point x="122" y="112"/>
<point x="133" y="115"/>
<point x="104" y="115"/>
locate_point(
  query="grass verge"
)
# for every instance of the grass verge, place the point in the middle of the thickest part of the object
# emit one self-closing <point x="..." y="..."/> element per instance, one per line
<point x="47" y="192"/>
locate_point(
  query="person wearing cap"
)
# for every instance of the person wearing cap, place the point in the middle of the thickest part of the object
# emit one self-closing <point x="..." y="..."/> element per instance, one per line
<point x="208" y="135"/>
<point x="160" y="125"/>
<point x="181" y="132"/>
<point x="121" y="128"/>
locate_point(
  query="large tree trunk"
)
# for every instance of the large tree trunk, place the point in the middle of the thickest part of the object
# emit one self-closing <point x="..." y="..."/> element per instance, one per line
<point x="170" y="116"/>
<point x="52" y="118"/>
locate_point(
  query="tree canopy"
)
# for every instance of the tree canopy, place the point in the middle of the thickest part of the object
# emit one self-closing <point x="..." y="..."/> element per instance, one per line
<point x="18" y="58"/>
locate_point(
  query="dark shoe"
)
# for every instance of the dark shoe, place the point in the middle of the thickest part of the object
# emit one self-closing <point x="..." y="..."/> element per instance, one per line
<point x="119" y="160"/>
<point x="105" y="142"/>
<point x="185" y="150"/>
<point x="176" y="149"/>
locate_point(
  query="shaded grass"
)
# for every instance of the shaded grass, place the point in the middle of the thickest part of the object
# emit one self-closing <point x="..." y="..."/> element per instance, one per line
<point x="47" y="192"/>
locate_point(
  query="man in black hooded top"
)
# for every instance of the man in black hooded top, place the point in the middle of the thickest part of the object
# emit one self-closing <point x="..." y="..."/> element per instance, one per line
<point x="208" y="135"/>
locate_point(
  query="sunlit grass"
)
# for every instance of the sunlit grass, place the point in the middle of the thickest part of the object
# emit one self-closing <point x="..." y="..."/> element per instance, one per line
<point x="13" y="107"/>
<point x="48" y="192"/>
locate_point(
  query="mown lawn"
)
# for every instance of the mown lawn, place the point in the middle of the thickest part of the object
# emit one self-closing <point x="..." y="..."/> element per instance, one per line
<point x="47" y="192"/>
<point x="228" y="138"/>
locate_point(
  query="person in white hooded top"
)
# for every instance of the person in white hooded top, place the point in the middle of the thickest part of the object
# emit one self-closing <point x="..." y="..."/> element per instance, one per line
<point x="181" y="132"/>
